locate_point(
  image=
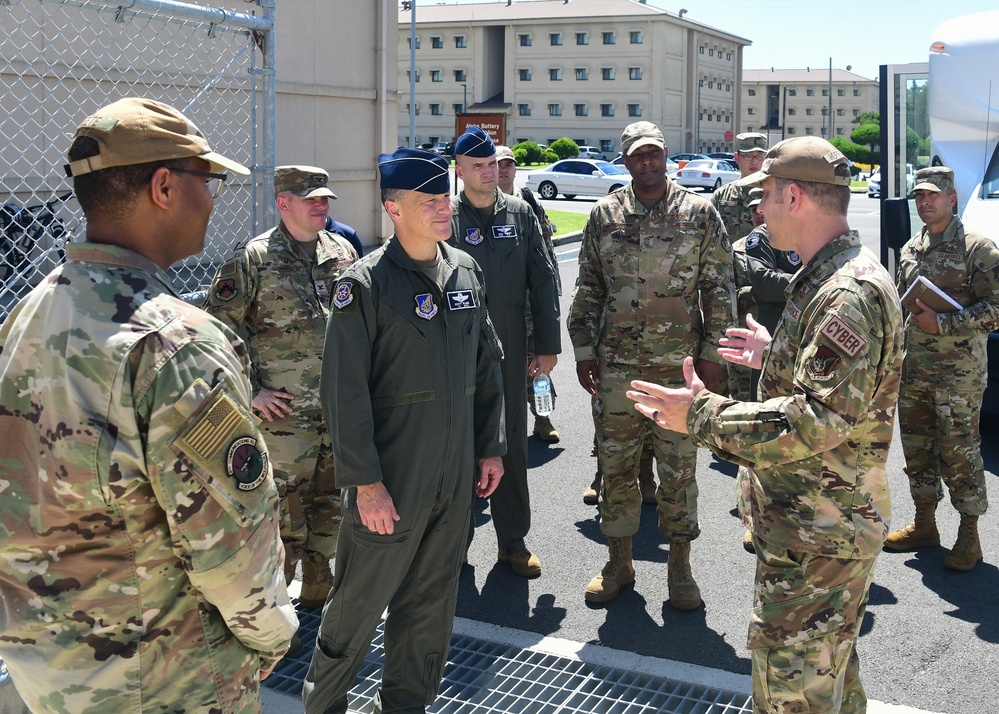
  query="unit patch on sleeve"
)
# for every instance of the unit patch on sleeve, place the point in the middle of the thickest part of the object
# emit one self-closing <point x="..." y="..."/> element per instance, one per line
<point x="822" y="364"/>
<point x="225" y="289"/>
<point x="246" y="463"/>
<point x="343" y="297"/>
<point x="461" y="300"/>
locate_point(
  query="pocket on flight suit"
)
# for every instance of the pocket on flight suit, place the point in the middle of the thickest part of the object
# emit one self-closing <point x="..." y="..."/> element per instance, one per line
<point x="374" y="567"/>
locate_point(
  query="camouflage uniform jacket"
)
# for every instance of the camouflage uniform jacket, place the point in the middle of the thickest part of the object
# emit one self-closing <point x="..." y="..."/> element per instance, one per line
<point x="140" y="560"/>
<point x="745" y="301"/>
<point x="732" y="203"/>
<point x="283" y="302"/>
<point x="816" y="445"/>
<point x="645" y="278"/>
<point x="966" y="267"/>
<point x="770" y="273"/>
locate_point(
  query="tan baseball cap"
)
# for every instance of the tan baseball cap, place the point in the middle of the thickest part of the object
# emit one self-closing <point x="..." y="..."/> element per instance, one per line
<point x="934" y="178"/>
<point x="803" y="158"/>
<point x="750" y="141"/>
<point x="641" y="133"/>
<point x="302" y="181"/>
<point x="504" y="152"/>
<point x="136" y="130"/>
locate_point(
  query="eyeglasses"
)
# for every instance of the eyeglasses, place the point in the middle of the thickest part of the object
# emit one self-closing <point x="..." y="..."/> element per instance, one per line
<point x="214" y="182"/>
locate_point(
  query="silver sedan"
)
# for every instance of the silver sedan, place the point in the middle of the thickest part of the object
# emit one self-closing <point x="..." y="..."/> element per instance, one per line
<point x="707" y="173"/>
<point x="577" y="177"/>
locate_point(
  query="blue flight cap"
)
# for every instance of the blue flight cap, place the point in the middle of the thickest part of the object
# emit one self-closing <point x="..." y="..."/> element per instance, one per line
<point x="474" y="142"/>
<point x="414" y="170"/>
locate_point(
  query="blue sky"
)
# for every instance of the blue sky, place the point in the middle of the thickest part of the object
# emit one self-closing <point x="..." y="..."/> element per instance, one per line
<point x="793" y="34"/>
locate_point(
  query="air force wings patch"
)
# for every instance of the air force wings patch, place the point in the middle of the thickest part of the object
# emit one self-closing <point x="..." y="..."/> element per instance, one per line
<point x="508" y="231"/>
<point x="461" y="300"/>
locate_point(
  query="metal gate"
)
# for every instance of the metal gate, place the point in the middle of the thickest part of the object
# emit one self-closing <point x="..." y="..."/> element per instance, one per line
<point x="60" y="60"/>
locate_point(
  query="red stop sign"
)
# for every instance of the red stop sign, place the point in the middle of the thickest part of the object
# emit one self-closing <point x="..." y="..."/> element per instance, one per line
<point x="728" y="136"/>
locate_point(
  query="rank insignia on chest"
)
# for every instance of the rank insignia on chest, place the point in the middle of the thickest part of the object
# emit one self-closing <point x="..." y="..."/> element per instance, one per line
<point x="343" y="297"/>
<point x="425" y="307"/>
<point x="322" y="292"/>
<point x="461" y="300"/>
<point x="225" y="289"/>
<point x="508" y="231"/>
<point x="473" y="236"/>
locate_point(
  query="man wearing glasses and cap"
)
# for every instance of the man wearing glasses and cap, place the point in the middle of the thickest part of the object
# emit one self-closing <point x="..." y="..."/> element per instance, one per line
<point x="140" y="556"/>
<point x="413" y="389"/>
<point x="277" y="288"/>
<point x="816" y="446"/>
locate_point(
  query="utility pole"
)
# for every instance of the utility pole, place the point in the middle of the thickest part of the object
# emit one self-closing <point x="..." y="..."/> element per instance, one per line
<point x="412" y="72"/>
<point x="830" y="137"/>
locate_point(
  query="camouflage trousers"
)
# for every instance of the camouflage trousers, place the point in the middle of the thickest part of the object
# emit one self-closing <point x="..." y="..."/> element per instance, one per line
<point x="942" y="445"/>
<point x="807" y="613"/>
<point x="621" y="433"/>
<point x="302" y="458"/>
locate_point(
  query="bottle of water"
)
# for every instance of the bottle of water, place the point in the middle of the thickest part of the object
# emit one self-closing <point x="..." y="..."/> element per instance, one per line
<point x="543" y="404"/>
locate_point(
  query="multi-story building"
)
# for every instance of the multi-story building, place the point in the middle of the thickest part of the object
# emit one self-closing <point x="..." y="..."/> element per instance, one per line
<point x="783" y="103"/>
<point x="578" y="68"/>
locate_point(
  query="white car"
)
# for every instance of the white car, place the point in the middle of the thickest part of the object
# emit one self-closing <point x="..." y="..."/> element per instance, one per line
<point x="577" y="177"/>
<point x="590" y="152"/>
<point x="707" y="173"/>
<point x="671" y="166"/>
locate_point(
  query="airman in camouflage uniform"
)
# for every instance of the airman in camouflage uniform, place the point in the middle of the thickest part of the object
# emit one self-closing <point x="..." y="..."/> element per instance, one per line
<point x="654" y="259"/>
<point x="945" y="370"/>
<point x="277" y="288"/>
<point x="815" y="448"/>
<point x="140" y="558"/>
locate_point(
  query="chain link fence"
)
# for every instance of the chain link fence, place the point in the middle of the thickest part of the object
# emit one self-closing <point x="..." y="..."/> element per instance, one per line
<point x="60" y="60"/>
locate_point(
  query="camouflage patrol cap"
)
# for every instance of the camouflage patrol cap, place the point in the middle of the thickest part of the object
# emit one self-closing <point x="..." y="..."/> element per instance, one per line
<point x="302" y="181"/>
<point x="505" y="152"/>
<point x="755" y="196"/>
<point x="641" y="133"/>
<point x="934" y="178"/>
<point x="136" y="130"/>
<point x="750" y="141"/>
<point x="803" y="158"/>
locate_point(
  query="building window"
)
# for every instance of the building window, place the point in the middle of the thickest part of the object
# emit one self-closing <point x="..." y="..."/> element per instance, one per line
<point x="606" y="110"/>
<point x="580" y="110"/>
<point x="524" y="110"/>
<point x="417" y="76"/>
<point x="825" y="111"/>
<point x="840" y="92"/>
<point x="608" y="38"/>
<point x="525" y="40"/>
<point x="728" y="57"/>
<point x="458" y="108"/>
<point x="750" y="111"/>
<point x="825" y="92"/>
<point x="606" y="145"/>
<point x="728" y="87"/>
<point x="525" y="75"/>
<point x="809" y="92"/>
<point x="711" y="53"/>
<point x="792" y="130"/>
<point x="856" y="112"/>
<point x="635" y="37"/>
<point x="711" y="85"/>
<point x="607" y="73"/>
<point x="634" y="110"/>
<point x="582" y="38"/>
<point x="792" y="92"/>
<point x="409" y="42"/>
<point x="809" y="112"/>
<point x="554" y="110"/>
<point x="582" y="74"/>
<point x="459" y="42"/>
<point x="436" y="76"/>
<point x="809" y="130"/>
<point x="555" y="74"/>
<point x="435" y="110"/>
<point x="437" y="42"/>
<point x="417" y="109"/>
<point x="709" y="117"/>
<point x="700" y="50"/>
<point x="752" y="92"/>
<point x="459" y="75"/>
<point x="634" y="72"/>
<point x="856" y="92"/>
<point x="840" y="112"/>
<point x="555" y="38"/>
<point x="791" y="111"/>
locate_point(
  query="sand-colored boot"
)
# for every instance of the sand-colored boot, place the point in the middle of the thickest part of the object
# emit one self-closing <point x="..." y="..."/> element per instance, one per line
<point x="616" y="575"/>
<point x="966" y="553"/>
<point x="747" y="542"/>
<point x="591" y="496"/>
<point x="317" y="581"/>
<point x="921" y="533"/>
<point x="683" y="591"/>
<point x="545" y="430"/>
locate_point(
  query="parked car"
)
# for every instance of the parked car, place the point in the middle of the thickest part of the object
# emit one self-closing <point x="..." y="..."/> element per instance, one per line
<point x="682" y="159"/>
<point x="443" y="148"/>
<point x="671" y="166"/>
<point x="590" y="152"/>
<point x="727" y="155"/>
<point x="577" y="177"/>
<point x="707" y="173"/>
<point x="874" y="182"/>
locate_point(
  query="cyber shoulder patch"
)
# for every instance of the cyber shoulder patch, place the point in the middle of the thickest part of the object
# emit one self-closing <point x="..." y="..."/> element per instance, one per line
<point x="343" y="296"/>
<point x="843" y="336"/>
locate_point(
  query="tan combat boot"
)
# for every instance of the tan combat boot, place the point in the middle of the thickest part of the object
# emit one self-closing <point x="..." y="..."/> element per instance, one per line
<point x="317" y="581"/>
<point x="966" y="553"/>
<point x="683" y="591"/>
<point x="921" y="533"/>
<point x="647" y="478"/>
<point x="545" y="430"/>
<point x="617" y="574"/>
<point x="747" y="542"/>
<point x="591" y="496"/>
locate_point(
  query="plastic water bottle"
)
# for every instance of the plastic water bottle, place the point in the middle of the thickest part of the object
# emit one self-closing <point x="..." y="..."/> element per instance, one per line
<point x="543" y="404"/>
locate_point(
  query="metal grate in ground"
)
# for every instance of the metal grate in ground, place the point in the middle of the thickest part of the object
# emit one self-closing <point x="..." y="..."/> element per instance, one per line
<point x="483" y="676"/>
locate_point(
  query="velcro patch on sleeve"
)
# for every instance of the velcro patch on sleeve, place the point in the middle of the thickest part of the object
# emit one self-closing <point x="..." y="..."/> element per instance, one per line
<point x="843" y="336"/>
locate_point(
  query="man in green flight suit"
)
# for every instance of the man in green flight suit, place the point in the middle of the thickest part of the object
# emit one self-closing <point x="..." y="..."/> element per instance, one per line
<point x="413" y="390"/>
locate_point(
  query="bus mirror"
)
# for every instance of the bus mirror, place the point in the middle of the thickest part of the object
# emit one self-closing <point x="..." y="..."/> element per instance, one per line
<point x="895" y="222"/>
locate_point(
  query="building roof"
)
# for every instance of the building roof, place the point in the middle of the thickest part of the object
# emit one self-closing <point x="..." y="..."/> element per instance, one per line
<point x="809" y="74"/>
<point x="504" y="11"/>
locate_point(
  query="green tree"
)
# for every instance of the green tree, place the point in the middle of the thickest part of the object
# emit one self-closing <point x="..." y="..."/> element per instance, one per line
<point x="565" y="148"/>
<point x="550" y="157"/>
<point x="868" y="135"/>
<point x="867" y="118"/>
<point x="854" y="152"/>
<point x="532" y="152"/>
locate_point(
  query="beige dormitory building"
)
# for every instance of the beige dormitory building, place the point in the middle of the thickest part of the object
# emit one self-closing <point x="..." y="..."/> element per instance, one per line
<point x="577" y="68"/>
